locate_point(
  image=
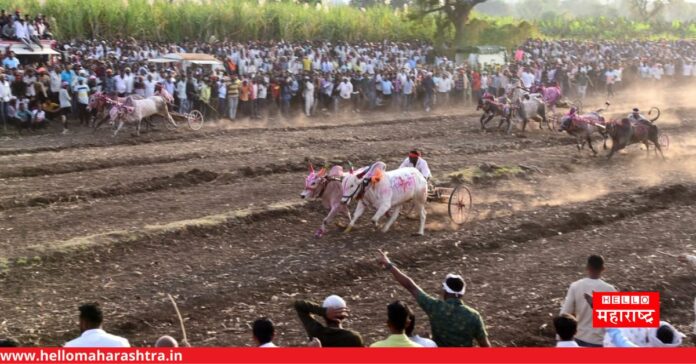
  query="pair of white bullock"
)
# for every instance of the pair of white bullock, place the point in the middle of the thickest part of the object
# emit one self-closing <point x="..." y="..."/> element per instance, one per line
<point x="373" y="187"/>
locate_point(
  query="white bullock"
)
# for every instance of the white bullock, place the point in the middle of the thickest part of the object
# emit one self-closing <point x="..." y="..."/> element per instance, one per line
<point x="386" y="191"/>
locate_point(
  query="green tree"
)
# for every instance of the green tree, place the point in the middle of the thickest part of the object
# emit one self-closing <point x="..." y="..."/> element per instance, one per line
<point x="450" y="12"/>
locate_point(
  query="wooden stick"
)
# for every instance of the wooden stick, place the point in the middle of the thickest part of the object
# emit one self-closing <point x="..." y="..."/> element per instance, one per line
<point x="667" y="254"/>
<point x="181" y="320"/>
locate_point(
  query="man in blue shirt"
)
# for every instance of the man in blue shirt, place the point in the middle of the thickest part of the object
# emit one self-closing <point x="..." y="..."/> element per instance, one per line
<point x="10" y="62"/>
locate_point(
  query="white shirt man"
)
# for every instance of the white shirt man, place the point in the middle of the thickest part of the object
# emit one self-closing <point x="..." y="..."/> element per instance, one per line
<point x="426" y="343"/>
<point x="121" y="86"/>
<point x="345" y="89"/>
<point x="421" y="165"/>
<point x="445" y="85"/>
<point x="129" y="79"/>
<point x="576" y="302"/>
<point x="527" y="79"/>
<point x="97" y="338"/>
<point x="5" y="90"/>
<point x="93" y="336"/>
<point x="686" y="69"/>
<point x="567" y="344"/>
<point x="149" y="87"/>
<point x="55" y="81"/>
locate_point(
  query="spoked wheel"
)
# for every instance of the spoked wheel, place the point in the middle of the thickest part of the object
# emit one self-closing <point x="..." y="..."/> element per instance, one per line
<point x="195" y="120"/>
<point x="460" y="205"/>
<point x="663" y="140"/>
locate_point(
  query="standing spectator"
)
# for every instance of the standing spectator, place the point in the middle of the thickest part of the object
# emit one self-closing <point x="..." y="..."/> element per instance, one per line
<point x="428" y="90"/>
<point x="426" y="343"/>
<point x="11" y="62"/>
<point x="65" y="106"/>
<point x="345" y="91"/>
<point x="54" y="83"/>
<point x="233" y="96"/>
<point x="582" y="81"/>
<point x="397" y="320"/>
<point x="577" y="302"/>
<point x="121" y="84"/>
<point x="222" y="96"/>
<point x="181" y="95"/>
<point x="407" y="98"/>
<point x="82" y="92"/>
<point x="334" y="311"/>
<point x="566" y="327"/>
<point x="264" y="331"/>
<point x="92" y="334"/>
<point x="260" y="99"/>
<point x="5" y="97"/>
<point x="453" y="323"/>
<point x="245" y="98"/>
<point x="308" y="94"/>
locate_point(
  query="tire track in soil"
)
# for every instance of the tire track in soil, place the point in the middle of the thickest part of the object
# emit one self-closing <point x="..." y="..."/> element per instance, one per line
<point x="203" y="273"/>
<point x="170" y="136"/>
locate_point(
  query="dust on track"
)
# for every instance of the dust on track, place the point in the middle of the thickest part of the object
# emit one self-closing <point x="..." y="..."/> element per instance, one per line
<point x="526" y="243"/>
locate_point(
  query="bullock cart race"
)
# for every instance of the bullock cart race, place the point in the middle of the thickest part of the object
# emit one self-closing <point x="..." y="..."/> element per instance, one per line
<point x="241" y="176"/>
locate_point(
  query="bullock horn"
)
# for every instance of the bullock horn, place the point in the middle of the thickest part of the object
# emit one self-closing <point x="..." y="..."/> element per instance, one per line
<point x="311" y="168"/>
<point x="658" y="113"/>
<point x="351" y="170"/>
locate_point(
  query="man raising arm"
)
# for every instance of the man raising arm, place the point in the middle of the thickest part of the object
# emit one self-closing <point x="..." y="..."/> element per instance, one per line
<point x="453" y="323"/>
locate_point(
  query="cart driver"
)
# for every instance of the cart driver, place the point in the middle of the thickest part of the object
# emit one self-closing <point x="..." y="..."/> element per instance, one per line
<point x="414" y="160"/>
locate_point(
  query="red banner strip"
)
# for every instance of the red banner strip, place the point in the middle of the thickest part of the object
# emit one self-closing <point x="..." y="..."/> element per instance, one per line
<point x="328" y="355"/>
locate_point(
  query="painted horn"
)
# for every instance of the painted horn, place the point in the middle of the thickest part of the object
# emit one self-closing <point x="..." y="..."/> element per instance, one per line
<point x="311" y="168"/>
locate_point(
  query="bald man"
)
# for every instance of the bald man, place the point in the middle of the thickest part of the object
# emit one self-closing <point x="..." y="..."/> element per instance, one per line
<point x="166" y="341"/>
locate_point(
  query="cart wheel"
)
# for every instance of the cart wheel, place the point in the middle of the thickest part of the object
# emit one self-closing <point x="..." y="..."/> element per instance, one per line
<point x="663" y="140"/>
<point x="195" y="120"/>
<point x="460" y="205"/>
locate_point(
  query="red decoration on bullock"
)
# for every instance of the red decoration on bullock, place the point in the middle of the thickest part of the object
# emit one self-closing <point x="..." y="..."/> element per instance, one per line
<point x="377" y="176"/>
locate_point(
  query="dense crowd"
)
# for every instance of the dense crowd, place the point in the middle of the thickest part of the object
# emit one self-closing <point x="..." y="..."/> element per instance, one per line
<point x="452" y="322"/>
<point x="271" y="79"/>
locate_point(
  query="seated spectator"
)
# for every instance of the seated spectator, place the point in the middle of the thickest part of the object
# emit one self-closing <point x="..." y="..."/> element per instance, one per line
<point x="397" y="320"/>
<point x="664" y="336"/>
<point x="264" y="331"/>
<point x="566" y="327"/>
<point x="453" y="323"/>
<point x="92" y="334"/>
<point x="38" y="117"/>
<point x="22" y="117"/>
<point x="426" y="343"/>
<point x="166" y="341"/>
<point x="334" y="311"/>
<point x="8" y="343"/>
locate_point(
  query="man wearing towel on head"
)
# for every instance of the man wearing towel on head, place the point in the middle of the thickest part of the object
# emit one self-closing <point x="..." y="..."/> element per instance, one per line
<point x="453" y="323"/>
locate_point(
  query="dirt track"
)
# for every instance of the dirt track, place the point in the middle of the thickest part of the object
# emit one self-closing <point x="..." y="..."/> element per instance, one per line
<point x="215" y="219"/>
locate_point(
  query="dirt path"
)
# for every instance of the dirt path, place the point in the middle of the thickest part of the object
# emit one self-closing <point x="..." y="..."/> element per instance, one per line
<point x="215" y="219"/>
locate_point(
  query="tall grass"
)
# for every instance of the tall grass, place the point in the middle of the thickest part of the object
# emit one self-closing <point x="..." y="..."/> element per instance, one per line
<point x="160" y="20"/>
<point x="224" y="19"/>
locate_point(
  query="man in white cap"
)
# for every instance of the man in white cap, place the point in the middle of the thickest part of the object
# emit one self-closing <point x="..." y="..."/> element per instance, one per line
<point x="334" y="311"/>
<point x="453" y="324"/>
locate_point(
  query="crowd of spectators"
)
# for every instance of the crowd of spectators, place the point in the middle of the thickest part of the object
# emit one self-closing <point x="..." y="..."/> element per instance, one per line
<point x="452" y="322"/>
<point x="282" y="79"/>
